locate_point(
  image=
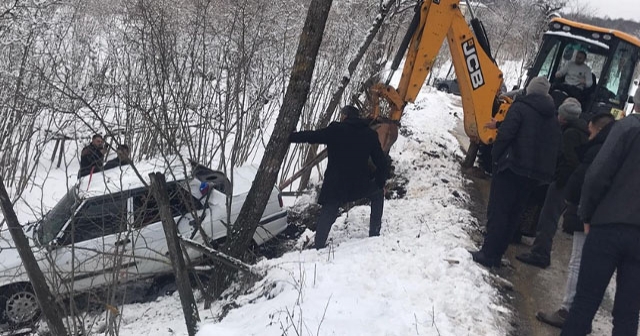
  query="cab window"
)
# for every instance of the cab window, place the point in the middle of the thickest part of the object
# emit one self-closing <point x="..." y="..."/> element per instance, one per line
<point x="97" y="217"/>
<point x="618" y="77"/>
<point x="145" y="206"/>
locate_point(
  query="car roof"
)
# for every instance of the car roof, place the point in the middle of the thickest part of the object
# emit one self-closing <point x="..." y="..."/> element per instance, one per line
<point x="124" y="178"/>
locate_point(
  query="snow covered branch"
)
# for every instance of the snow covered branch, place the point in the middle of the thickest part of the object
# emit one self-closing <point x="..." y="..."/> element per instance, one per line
<point x="221" y="257"/>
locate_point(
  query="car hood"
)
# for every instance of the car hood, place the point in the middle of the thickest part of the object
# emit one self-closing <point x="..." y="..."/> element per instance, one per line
<point x="9" y="260"/>
<point x="9" y="256"/>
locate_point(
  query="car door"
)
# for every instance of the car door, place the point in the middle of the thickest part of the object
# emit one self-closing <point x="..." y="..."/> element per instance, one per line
<point x="95" y="247"/>
<point x="455" y="87"/>
<point x="150" y="249"/>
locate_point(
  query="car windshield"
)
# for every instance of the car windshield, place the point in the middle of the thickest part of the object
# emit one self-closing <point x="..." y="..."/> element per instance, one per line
<point x="55" y="219"/>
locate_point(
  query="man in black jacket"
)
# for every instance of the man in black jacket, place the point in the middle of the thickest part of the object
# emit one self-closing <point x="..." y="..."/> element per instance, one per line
<point x="599" y="127"/>
<point x="610" y="209"/>
<point x="350" y="144"/>
<point x="524" y="155"/>
<point x="574" y="135"/>
<point x="92" y="156"/>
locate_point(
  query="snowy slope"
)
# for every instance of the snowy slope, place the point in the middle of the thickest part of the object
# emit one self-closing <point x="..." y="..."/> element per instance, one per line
<point x="417" y="278"/>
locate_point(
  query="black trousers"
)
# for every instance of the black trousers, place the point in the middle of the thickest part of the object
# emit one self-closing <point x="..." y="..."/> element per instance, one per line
<point x="553" y="208"/>
<point x="507" y="198"/>
<point x="329" y="213"/>
<point x="608" y="248"/>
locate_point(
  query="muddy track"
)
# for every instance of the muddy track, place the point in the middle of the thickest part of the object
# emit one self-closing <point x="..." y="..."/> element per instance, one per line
<point x="533" y="289"/>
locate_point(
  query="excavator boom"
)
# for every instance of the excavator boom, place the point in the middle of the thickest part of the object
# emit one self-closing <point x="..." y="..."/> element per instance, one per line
<point x="615" y="57"/>
<point x="478" y="75"/>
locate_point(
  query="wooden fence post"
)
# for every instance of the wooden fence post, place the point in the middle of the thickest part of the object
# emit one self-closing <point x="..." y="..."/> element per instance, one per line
<point x="189" y="307"/>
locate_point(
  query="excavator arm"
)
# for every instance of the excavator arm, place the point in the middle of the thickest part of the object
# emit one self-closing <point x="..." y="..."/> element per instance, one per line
<point x="479" y="78"/>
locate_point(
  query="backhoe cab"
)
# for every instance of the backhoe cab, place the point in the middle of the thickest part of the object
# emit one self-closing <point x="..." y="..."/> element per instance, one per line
<point x="612" y="56"/>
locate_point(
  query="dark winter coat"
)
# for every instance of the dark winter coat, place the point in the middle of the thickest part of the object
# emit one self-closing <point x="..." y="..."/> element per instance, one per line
<point x="586" y="153"/>
<point x="529" y="139"/>
<point x="114" y="163"/>
<point x="611" y="184"/>
<point x="574" y="134"/>
<point x="350" y="144"/>
<point x="90" y="158"/>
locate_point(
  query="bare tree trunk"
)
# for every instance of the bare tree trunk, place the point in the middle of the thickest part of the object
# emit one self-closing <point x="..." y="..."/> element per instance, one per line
<point x="326" y="117"/>
<point x="241" y="234"/>
<point x="189" y="307"/>
<point x="45" y="299"/>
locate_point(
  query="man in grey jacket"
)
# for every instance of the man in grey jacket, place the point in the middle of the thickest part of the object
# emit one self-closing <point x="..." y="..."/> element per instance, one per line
<point x="610" y="205"/>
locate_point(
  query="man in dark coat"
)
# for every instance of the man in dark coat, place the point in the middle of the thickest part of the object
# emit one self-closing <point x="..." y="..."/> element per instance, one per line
<point x="350" y="144"/>
<point x="524" y="155"/>
<point x="122" y="159"/>
<point x="574" y="135"/>
<point x="599" y="127"/>
<point x="610" y="208"/>
<point x="92" y="156"/>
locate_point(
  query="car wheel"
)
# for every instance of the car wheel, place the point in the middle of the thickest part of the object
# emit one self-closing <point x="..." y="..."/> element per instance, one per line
<point x="443" y="88"/>
<point x="19" y="306"/>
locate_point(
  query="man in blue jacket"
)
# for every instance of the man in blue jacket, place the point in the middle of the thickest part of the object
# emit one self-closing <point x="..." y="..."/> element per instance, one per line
<point x="350" y="144"/>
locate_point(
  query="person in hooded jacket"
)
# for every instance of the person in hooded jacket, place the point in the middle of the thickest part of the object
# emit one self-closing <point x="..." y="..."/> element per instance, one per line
<point x="599" y="127"/>
<point x="524" y="155"/>
<point x="574" y="135"/>
<point x="350" y="145"/>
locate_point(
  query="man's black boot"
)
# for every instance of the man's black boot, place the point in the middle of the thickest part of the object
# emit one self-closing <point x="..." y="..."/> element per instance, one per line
<point x="483" y="260"/>
<point x="534" y="259"/>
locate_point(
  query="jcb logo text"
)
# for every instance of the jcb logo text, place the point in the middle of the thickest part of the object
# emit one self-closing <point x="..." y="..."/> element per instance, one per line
<point x="473" y="63"/>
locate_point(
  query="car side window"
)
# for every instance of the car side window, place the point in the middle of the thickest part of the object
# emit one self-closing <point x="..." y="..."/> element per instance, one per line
<point x="99" y="217"/>
<point x="145" y="207"/>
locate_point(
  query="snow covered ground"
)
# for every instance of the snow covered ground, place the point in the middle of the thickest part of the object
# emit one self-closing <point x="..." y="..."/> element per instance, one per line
<point x="417" y="278"/>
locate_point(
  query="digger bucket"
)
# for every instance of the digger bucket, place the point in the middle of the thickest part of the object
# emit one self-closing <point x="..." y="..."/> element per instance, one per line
<point x="387" y="134"/>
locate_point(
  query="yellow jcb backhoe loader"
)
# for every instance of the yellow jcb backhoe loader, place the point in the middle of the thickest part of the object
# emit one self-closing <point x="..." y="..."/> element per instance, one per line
<point x="613" y="57"/>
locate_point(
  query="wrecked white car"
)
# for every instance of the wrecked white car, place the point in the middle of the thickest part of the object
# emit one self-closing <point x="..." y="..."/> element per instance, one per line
<point x="107" y="229"/>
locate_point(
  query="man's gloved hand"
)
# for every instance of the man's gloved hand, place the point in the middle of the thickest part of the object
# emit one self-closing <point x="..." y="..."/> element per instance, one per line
<point x="493" y="124"/>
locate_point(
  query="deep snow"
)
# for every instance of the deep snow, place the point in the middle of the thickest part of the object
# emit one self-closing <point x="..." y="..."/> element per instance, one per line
<point x="417" y="278"/>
